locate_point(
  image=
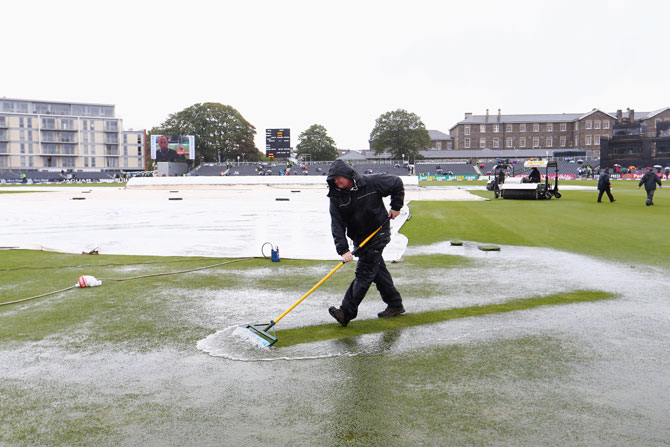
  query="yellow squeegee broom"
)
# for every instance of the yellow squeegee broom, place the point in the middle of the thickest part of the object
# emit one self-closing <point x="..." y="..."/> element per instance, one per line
<point x="262" y="332"/>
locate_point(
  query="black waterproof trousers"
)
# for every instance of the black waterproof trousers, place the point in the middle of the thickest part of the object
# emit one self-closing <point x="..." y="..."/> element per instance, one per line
<point x="650" y="196"/>
<point x="609" y="194"/>
<point x="370" y="269"/>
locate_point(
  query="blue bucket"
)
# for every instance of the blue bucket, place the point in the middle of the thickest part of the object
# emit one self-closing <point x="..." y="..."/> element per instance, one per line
<point x="275" y="254"/>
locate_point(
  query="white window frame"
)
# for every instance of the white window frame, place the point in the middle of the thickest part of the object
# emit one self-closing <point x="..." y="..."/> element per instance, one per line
<point x="596" y="124"/>
<point x="467" y="143"/>
<point x="496" y="128"/>
<point x="563" y="141"/>
<point x="606" y="124"/>
<point x="550" y="142"/>
<point x="536" y="127"/>
<point x="522" y="127"/>
<point x="509" y="128"/>
<point x="510" y="142"/>
<point x="482" y="128"/>
<point x="482" y="143"/>
<point x="496" y="143"/>
<point x="596" y="140"/>
<point x="588" y="125"/>
<point x="550" y="127"/>
<point x="522" y="142"/>
<point x="467" y="130"/>
<point x="564" y="127"/>
<point x="588" y="140"/>
<point x="536" y="142"/>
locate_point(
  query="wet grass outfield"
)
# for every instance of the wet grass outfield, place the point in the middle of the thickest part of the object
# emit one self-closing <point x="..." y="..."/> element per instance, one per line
<point x="561" y="338"/>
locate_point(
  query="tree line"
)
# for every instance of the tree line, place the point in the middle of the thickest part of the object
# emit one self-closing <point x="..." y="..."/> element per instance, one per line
<point x="223" y="134"/>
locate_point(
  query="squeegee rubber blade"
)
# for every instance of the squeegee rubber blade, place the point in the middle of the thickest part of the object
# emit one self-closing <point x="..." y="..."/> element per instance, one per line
<point x="265" y="338"/>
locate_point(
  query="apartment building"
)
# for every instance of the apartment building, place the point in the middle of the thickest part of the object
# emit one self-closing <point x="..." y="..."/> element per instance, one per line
<point x="56" y="136"/>
<point x="582" y="131"/>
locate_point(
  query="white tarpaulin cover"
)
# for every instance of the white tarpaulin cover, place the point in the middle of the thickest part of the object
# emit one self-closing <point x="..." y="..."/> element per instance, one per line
<point x="187" y="216"/>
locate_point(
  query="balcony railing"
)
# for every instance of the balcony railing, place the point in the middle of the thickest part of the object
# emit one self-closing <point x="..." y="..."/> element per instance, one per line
<point x="66" y="149"/>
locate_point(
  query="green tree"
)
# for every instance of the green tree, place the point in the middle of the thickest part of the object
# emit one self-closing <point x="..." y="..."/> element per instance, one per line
<point x="399" y="133"/>
<point x="221" y="132"/>
<point x="316" y="142"/>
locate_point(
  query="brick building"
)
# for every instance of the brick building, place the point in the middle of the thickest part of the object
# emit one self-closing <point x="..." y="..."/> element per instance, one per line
<point x="440" y="141"/>
<point x="638" y="142"/>
<point x="582" y="131"/>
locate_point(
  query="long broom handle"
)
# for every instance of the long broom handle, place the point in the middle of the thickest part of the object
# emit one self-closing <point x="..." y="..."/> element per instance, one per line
<point x="316" y="286"/>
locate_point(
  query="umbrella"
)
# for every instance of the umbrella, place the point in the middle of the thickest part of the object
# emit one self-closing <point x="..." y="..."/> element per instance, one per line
<point x="658" y="166"/>
<point x="581" y="161"/>
<point x="631" y="167"/>
<point x="616" y="165"/>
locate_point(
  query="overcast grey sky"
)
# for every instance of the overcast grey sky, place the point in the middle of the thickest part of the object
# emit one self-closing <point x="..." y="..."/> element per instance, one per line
<point x="339" y="64"/>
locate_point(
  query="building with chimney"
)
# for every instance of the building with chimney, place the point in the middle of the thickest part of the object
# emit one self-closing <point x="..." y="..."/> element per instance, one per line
<point x="564" y="131"/>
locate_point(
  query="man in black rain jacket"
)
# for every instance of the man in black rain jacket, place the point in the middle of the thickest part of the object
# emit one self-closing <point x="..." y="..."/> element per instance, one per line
<point x="357" y="210"/>
<point x="650" y="180"/>
<point x="604" y="186"/>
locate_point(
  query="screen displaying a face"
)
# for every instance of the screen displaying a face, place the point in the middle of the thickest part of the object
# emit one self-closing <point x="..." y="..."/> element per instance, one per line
<point x="172" y="147"/>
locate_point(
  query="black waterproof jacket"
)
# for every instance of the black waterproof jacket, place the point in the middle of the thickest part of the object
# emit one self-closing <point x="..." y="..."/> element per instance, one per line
<point x="649" y="180"/>
<point x="603" y="181"/>
<point x="360" y="211"/>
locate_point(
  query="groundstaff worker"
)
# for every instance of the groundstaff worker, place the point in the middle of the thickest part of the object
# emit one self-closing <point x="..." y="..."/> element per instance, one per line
<point x="650" y="180"/>
<point x="604" y="185"/>
<point x="357" y="210"/>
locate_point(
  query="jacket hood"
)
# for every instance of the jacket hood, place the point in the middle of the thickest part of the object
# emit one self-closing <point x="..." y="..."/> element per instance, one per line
<point x="339" y="167"/>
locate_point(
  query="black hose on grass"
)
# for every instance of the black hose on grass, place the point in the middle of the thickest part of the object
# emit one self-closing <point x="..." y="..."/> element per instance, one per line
<point x="127" y="279"/>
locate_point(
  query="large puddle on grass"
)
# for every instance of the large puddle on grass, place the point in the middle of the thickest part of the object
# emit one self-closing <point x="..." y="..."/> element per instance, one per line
<point x="512" y="273"/>
<point x="598" y="368"/>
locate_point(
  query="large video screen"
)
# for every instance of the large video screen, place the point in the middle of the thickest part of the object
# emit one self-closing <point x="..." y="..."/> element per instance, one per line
<point x="172" y="147"/>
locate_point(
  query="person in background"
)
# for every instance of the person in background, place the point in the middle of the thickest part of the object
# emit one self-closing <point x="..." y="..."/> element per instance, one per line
<point x="498" y="179"/>
<point x="534" y="176"/>
<point x="650" y="180"/>
<point x="604" y="185"/>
